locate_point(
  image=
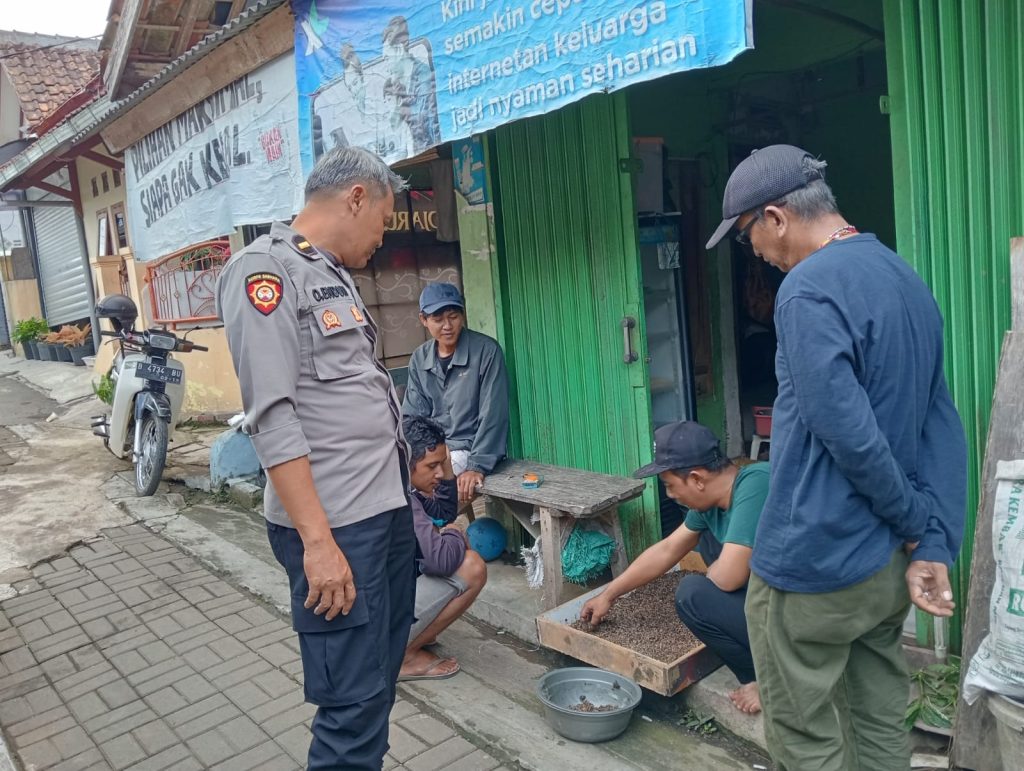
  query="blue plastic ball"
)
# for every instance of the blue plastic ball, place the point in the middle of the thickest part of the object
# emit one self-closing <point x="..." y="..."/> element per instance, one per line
<point x="487" y="537"/>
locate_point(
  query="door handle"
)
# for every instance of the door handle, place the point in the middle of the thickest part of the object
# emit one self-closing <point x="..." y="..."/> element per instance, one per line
<point x="628" y="354"/>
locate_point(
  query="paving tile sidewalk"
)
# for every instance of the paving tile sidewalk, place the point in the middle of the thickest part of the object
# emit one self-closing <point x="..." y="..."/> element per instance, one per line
<point x="126" y="653"/>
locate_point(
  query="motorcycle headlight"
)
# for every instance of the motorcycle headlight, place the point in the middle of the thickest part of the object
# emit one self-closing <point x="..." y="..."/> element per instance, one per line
<point x="161" y="341"/>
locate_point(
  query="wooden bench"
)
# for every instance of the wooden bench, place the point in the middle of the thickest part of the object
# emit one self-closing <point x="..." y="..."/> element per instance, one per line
<point x="564" y="496"/>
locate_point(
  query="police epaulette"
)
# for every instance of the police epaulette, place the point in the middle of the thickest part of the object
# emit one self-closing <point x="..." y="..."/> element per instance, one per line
<point x="303" y="246"/>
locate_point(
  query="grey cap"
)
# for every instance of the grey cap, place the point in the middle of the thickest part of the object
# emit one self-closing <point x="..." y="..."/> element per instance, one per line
<point x="764" y="176"/>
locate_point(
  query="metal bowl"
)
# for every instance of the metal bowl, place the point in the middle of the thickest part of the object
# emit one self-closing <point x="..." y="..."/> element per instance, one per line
<point x="560" y="689"/>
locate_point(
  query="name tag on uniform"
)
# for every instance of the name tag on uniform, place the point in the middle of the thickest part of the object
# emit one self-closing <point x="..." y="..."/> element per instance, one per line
<point x="339" y="317"/>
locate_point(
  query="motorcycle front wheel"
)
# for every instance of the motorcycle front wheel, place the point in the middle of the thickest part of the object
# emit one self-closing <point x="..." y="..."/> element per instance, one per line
<point x="149" y="465"/>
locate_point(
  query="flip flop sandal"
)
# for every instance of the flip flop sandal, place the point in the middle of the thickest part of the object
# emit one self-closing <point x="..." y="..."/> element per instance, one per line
<point x="427" y="676"/>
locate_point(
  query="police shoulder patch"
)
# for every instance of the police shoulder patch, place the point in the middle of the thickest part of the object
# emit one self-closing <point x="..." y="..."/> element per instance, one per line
<point x="263" y="291"/>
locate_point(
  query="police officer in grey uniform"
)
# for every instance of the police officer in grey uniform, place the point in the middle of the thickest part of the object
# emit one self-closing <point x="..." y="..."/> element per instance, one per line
<point x="324" y="420"/>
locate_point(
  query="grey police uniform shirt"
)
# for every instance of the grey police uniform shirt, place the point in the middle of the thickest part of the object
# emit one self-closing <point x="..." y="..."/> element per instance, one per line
<point x="303" y="348"/>
<point x="470" y="401"/>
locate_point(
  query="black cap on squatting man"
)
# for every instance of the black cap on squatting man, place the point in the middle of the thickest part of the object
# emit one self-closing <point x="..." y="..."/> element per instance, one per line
<point x="766" y="175"/>
<point x="681" y="446"/>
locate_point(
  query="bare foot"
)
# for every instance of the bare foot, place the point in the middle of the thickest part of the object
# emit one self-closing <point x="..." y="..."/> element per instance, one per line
<point x="423" y="665"/>
<point x="747" y="698"/>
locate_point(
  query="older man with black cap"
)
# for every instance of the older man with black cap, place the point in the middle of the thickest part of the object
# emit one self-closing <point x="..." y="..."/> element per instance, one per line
<point x="458" y="379"/>
<point x="724" y="504"/>
<point x="868" y="483"/>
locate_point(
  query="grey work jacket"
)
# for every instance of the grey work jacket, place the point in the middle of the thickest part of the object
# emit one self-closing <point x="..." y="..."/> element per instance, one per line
<point x="470" y="401"/>
<point x="303" y="348"/>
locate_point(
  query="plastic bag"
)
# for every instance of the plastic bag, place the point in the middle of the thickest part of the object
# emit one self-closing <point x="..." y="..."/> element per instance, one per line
<point x="998" y="665"/>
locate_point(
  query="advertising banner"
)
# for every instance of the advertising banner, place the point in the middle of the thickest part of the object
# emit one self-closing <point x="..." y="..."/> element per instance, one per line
<point x="232" y="159"/>
<point x="399" y="78"/>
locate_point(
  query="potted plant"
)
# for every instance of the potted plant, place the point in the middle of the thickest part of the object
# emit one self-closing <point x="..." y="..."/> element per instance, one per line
<point x="63" y="339"/>
<point x="79" y="344"/>
<point x="53" y="347"/>
<point x="21" y="335"/>
<point x="44" y="348"/>
<point x="26" y="331"/>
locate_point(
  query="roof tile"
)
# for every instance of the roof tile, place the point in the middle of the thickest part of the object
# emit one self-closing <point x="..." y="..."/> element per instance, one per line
<point x="46" y="78"/>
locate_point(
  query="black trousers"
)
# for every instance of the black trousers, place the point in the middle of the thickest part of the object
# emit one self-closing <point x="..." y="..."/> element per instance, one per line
<point x="350" y="665"/>
<point x="716" y="617"/>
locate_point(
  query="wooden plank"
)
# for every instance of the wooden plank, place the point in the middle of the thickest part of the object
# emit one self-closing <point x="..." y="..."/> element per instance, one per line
<point x="131" y="10"/>
<point x="580" y="493"/>
<point x="159" y="27"/>
<point x="551" y="528"/>
<point x="54" y="189"/>
<point x="270" y="37"/>
<point x="974" y="737"/>
<point x="76" y="189"/>
<point x="188" y="23"/>
<point x="104" y="160"/>
<point x="610" y="520"/>
<point x="521" y="512"/>
<point x="666" y="678"/>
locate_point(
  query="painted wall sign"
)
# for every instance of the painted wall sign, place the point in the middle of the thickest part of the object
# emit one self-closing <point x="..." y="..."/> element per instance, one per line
<point x="399" y="77"/>
<point x="421" y="217"/>
<point x="232" y="159"/>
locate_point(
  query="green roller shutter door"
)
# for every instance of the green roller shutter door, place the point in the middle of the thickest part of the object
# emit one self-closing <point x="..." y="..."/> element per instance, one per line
<point x="957" y="112"/>
<point x="569" y="274"/>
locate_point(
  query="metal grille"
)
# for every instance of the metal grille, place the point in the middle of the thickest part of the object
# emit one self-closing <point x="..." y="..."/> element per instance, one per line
<point x="182" y="286"/>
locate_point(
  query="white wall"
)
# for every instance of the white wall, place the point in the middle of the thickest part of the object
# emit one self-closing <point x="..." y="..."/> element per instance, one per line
<point x="10" y="111"/>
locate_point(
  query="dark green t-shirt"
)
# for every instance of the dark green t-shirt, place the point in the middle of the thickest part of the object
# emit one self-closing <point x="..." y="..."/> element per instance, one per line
<point x="738" y="523"/>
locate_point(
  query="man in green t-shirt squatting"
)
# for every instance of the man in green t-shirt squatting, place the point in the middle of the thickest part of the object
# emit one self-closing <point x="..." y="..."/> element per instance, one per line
<point x="724" y="503"/>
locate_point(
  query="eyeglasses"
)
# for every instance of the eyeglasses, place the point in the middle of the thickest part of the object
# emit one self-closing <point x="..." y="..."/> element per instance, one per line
<point x="743" y="236"/>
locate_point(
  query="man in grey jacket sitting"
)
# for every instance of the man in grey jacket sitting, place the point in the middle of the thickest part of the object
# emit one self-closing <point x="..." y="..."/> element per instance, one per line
<point x="458" y="379"/>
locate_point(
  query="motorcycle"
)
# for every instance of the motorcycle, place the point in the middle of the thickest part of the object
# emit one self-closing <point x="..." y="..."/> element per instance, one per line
<point x="149" y="385"/>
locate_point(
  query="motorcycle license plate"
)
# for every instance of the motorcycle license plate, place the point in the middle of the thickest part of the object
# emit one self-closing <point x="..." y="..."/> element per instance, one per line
<point x="149" y="371"/>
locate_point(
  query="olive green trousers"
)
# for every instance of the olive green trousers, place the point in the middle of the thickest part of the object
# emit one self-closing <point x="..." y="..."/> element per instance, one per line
<point x="831" y="672"/>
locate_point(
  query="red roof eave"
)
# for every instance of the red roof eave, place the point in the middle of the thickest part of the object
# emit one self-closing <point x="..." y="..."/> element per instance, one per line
<point x="92" y="90"/>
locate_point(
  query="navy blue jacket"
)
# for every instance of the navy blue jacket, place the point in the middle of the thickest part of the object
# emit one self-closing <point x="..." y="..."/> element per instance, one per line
<point x="868" y="451"/>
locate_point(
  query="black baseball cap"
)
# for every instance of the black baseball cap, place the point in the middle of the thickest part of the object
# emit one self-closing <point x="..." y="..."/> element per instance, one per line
<point x="764" y="176"/>
<point x="680" y="446"/>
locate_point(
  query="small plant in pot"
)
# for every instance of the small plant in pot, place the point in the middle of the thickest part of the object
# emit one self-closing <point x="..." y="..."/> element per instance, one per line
<point x="45" y="348"/>
<point x="78" y="342"/>
<point x="26" y="332"/>
<point x="58" y="349"/>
